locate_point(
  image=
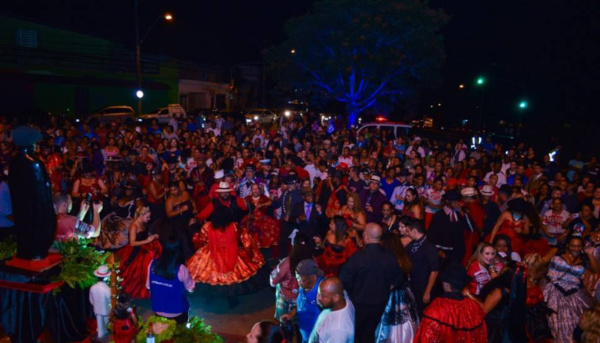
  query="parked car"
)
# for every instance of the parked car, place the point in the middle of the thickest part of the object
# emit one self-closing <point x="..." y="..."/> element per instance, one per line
<point x="164" y="114"/>
<point x="262" y="115"/>
<point x="396" y="128"/>
<point x="111" y="113"/>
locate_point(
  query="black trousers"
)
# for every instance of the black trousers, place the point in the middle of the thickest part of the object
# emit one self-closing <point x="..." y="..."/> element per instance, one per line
<point x="367" y="319"/>
<point x="284" y="242"/>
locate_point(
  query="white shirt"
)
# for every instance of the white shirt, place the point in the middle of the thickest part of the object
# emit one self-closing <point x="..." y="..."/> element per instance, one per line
<point x="397" y="198"/>
<point x="335" y="326"/>
<point x="501" y="178"/>
<point x="100" y="298"/>
<point x="554" y="221"/>
<point x="313" y="172"/>
<point x="347" y="160"/>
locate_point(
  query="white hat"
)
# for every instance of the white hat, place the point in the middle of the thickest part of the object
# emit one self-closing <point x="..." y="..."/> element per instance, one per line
<point x="219" y="174"/>
<point x="376" y="179"/>
<point x="224" y="188"/>
<point x="468" y="192"/>
<point x="487" y="190"/>
<point x="102" y="271"/>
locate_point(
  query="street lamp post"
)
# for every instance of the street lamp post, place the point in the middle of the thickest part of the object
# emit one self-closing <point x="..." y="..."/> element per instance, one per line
<point x="138" y="42"/>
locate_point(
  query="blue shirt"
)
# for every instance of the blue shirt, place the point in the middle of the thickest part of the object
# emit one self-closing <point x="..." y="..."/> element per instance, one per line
<point x="307" y="310"/>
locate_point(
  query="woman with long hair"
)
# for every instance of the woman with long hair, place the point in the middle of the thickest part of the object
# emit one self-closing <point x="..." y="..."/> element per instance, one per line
<point x="265" y="332"/>
<point x="168" y="280"/>
<point x="354" y="213"/>
<point x="412" y="204"/>
<point x="180" y="209"/>
<point x="263" y="228"/>
<point x="339" y="244"/>
<point x="564" y="293"/>
<point x="400" y="319"/>
<point x="141" y="249"/>
<point x="504" y="302"/>
<point x="513" y="223"/>
<point x="481" y="267"/>
<point x="283" y="276"/>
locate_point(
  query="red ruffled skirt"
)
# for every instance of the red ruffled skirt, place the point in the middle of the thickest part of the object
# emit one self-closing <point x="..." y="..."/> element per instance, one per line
<point x="135" y="273"/>
<point x="263" y="229"/>
<point x="224" y="257"/>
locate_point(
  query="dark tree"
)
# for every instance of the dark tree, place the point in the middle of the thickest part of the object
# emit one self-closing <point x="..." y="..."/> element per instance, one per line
<point x="359" y="52"/>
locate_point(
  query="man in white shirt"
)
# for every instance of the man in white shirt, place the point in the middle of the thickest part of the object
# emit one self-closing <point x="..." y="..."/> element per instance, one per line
<point x="346" y="158"/>
<point x="498" y="172"/>
<point x="336" y="322"/>
<point x="100" y="300"/>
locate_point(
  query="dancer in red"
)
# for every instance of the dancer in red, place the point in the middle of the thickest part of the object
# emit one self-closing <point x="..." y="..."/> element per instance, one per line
<point x="263" y="228"/>
<point x="226" y="254"/>
<point x="453" y="318"/>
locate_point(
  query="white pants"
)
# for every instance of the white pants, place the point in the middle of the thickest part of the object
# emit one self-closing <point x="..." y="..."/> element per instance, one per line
<point x="102" y="321"/>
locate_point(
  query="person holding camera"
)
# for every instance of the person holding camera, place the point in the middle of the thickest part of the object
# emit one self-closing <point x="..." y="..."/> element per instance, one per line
<point x="72" y="227"/>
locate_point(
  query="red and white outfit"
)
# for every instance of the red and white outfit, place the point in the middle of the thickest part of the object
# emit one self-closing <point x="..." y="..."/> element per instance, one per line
<point x="479" y="277"/>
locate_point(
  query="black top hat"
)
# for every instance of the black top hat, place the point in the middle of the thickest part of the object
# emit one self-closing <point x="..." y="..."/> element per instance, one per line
<point x="291" y="179"/>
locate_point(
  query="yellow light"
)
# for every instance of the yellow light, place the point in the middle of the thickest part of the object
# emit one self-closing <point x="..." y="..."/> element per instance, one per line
<point x="293" y="51"/>
<point x="168" y="16"/>
<point x="461" y="86"/>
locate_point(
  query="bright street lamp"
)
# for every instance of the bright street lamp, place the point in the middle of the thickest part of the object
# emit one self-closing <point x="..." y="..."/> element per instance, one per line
<point x="523" y="104"/>
<point x="138" y="43"/>
<point x="480" y="81"/>
<point x="461" y="86"/>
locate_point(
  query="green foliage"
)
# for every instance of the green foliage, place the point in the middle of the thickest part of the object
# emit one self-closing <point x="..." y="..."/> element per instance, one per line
<point x="196" y="331"/>
<point x="79" y="263"/>
<point x="8" y="248"/>
<point x="361" y="51"/>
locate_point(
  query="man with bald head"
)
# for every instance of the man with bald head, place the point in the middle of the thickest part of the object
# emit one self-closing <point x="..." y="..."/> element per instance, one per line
<point x="368" y="277"/>
<point x="336" y="322"/>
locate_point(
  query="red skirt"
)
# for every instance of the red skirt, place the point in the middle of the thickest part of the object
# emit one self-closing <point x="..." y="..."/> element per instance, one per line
<point x="135" y="273"/>
<point x="264" y="230"/>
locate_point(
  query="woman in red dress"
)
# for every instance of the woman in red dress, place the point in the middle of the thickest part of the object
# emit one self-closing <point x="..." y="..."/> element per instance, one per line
<point x="513" y="223"/>
<point x="226" y="253"/>
<point x="89" y="183"/>
<point x="339" y="244"/>
<point x="137" y="255"/>
<point x="263" y="229"/>
<point x="353" y="213"/>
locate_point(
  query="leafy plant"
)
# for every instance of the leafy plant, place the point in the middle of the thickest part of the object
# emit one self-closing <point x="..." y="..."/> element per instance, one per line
<point x="8" y="247"/>
<point x="79" y="261"/>
<point x="196" y="331"/>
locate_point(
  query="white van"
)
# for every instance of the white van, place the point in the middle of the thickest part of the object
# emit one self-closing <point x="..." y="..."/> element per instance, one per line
<point x="163" y="115"/>
<point x="397" y="127"/>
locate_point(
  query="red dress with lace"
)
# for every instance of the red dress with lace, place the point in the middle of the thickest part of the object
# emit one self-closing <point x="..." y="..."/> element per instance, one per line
<point x="133" y="268"/>
<point x="263" y="229"/>
<point x="453" y="319"/>
<point x="224" y="257"/>
<point x="334" y="256"/>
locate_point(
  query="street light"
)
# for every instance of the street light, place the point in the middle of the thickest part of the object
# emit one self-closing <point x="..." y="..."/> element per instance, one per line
<point x="523" y="104"/>
<point x="138" y="43"/>
<point x="461" y="86"/>
<point x="480" y="81"/>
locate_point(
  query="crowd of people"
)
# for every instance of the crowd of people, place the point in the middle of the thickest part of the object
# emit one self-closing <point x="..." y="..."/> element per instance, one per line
<point x="367" y="237"/>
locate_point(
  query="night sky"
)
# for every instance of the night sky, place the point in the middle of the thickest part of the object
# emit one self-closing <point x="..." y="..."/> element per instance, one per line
<point x="551" y="47"/>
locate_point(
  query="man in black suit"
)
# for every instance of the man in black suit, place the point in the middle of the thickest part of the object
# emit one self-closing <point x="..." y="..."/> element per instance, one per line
<point x="308" y="215"/>
<point x="369" y="276"/>
<point x="288" y="200"/>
